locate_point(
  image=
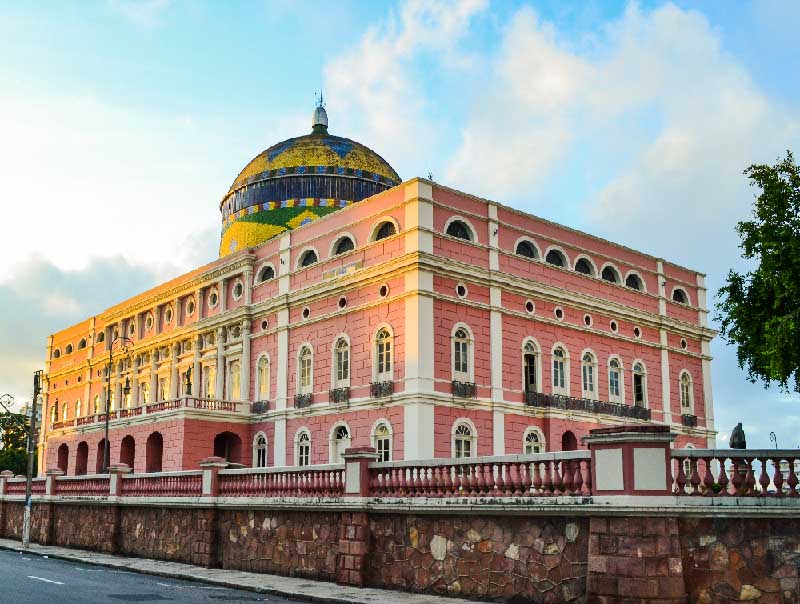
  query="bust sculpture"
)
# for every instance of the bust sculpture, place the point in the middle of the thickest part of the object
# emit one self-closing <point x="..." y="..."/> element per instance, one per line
<point x="738" y="440"/>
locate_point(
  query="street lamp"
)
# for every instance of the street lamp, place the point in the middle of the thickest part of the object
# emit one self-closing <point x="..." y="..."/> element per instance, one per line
<point x="115" y="343"/>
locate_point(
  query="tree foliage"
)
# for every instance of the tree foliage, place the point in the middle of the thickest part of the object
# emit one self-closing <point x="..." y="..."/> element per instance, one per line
<point x="759" y="311"/>
<point x="14" y="440"/>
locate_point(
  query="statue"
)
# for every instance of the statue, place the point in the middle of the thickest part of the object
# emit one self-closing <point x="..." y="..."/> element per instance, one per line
<point x="738" y="440"/>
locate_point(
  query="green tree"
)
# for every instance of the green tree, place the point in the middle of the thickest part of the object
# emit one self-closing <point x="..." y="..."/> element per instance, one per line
<point x="14" y="440"/>
<point x="759" y="311"/>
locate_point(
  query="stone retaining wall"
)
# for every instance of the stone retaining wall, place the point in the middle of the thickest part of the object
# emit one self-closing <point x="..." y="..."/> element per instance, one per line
<point x="567" y="559"/>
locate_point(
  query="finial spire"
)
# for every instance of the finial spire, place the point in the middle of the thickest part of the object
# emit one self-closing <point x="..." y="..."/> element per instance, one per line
<point x="319" y="122"/>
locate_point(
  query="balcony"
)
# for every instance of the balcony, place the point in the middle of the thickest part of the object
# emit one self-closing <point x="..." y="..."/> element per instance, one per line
<point x="381" y="389"/>
<point x="567" y="403"/>
<point x="303" y="400"/>
<point x="464" y="389"/>
<point x="339" y="395"/>
<point x="689" y="420"/>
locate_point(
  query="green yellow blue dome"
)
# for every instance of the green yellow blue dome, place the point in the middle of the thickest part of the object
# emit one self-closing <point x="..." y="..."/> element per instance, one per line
<point x="297" y="181"/>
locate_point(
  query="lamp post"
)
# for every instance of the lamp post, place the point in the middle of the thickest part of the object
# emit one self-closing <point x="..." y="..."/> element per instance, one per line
<point x="116" y="342"/>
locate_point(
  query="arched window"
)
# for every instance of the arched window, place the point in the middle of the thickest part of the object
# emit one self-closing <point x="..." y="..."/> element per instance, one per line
<point x="154" y="452"/>
<point x="342" y="363"/>
<point x="302" y="448"/>
<point x="687" y="396"/>
<point x="308" y="258"/>
<point x="56" y="354"/>
<point x="54" y="412"/>
<point x="527" y="249"/>
<point x="584" y="267"/>
<point x="610" y="274"/>
<point x="340" y="441"/>
<point x="101" y="337"/>
<point x="82" y="344"/>
<point x="530" y="368"/>
<point x="260" y="451"/>
<point x="533" y="441"/>
<point x="344" y="245"/>
<point x="305" y="367"/>
<point x="639" y="385"/>
<point x="634" y="282"/>
<point x="459" y="230"/>
<point x="588" y="385"/>
<point x="65" y="412"/>
<point x="68" y="349"/>
<point x="235" y="380"/>
<point x="679" y="296"/>
<point x="386" y="229"/>
<point x="382" y="441"/>
<point x="263" y="379"/>
<point x="560" y="379"/>
<point x="463" y="440"/>
<point x="78" y="408"/>
<point x="461" y="355"/>
<point x="63" y="458"/>
<point x="556" y="258"/>
<point x="615" y="381"/>
<point x="96" y="408"/>
<point x="266" y="273"/>
<point x="383" y="356"/>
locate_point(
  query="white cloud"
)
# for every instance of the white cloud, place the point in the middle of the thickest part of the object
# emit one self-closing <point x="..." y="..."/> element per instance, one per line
<point x="375" y="92"/>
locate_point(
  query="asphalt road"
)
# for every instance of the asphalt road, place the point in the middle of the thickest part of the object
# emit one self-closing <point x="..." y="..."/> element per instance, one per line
<point x="28" y="579"/>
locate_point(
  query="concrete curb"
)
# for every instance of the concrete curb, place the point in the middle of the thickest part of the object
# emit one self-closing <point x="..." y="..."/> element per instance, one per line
<point x="301" y="591"/>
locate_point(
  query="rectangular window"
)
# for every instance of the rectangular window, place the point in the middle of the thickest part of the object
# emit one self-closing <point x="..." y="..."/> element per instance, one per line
<point x="588" y="380"/>
<point x="613" y="383"/>
<point x="384" y="453"/>
<point x="558" y="374"/>
<point x="304" y="452"/>
<point x="530" y="373"/>
<point x="384" y="357"/>
<point x="638" y="390"/>
<point x="463" y="448"/>
<point x="342" y="365"/>
<point x="305" y="374"/>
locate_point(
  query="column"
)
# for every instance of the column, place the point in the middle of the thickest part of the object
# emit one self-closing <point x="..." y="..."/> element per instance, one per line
<point x="197" y="370"/>
<point x="135" y="383"/>
<point x="248" y="285"/>
<point x="118" y="387"/>
<point x="708" y="396"/>
<point x="245" y="364"/>
<point x="174" y="379"/>
<point x="153" y="376"/>
<point x="666" y="394"/>
<point x="223" y="296"/>
<point x="496" y="360"/>
<point x="282" y="385"/>
<point x="662" y="289"/>
<point x="220" y="376"/>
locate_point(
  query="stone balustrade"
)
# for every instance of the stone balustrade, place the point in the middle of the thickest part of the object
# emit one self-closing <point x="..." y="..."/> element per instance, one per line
<point x="311" y="481"/>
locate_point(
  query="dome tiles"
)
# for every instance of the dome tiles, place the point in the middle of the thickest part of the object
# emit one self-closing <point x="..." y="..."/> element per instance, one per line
<point x="297" y="181"/>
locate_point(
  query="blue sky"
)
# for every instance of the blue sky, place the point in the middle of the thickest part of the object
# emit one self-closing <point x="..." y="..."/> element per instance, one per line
<point x="122" y="123"/>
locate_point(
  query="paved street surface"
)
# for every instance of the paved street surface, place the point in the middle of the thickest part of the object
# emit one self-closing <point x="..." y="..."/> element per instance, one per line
<point x="94" y="577"/>
<point x="30" y="579"/>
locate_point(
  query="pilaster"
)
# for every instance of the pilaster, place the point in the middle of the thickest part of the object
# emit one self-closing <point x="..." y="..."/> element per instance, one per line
<point x="220" y="372"/>
<point x="245" y="364"/>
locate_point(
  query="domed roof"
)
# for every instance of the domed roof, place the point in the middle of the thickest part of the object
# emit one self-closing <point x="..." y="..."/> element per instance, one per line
<point x="297" y="181"/>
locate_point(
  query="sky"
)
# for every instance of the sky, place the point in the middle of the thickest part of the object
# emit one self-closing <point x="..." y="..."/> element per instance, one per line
<point x="123" y="123"/>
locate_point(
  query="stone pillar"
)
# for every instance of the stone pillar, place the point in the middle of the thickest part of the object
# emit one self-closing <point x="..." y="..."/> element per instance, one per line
<point x="4" y="476"/>
<point x="220" y="376"/>
<point x="356" y="473"/>
<point x="174" y="378"/>
<point x="116" y="472"/>
<point x="631" y="460"/>
<point x="211" y="467"/>
<point x="353" y="548"/>
<point x="50" y="484"/>
<point x="244" y="393"/>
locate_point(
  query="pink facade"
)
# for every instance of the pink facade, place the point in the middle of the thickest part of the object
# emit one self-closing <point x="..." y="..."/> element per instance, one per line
<point x="298" y="353"/>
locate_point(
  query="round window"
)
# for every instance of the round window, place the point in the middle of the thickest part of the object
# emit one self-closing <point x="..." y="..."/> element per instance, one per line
<point x="683" y="344"/>
<point x="383" y="291"/>
<point x="264" y="324"/>
<point x="342" y="302"/>
<point x="461" y="290"/>
<point x="637" y="332"/>
<point x="238" y="290"/>
<point x="190" y="308"/>
<point x="213" y="299"/>
<point x="587" y="320"/>
<point x="614" y="326"/>
<point x="148" y="322"/>
<point x="530" y="307"/>
<point x="306" y="312"/>
<point x="559" y="313"/>
<point x="168" y="315"/>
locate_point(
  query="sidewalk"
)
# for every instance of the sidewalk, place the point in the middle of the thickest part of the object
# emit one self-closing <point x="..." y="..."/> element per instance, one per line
<point x="288" y="587"/>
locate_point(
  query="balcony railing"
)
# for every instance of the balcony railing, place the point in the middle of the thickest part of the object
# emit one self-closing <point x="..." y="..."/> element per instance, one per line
<point x="558" y="401"/>
<point x="381" y="389"/>
<point x="339" y="395"/>
<point x="259" y="407"/>
<point x="464" y="389"/>
<point x="689" y="420"/>
<point x="303" y="400"/>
